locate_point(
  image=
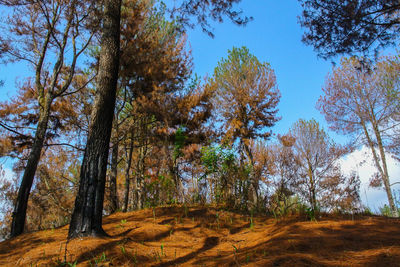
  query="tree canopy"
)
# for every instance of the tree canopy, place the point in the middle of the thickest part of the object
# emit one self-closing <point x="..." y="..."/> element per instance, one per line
<point x="347" y="27"/>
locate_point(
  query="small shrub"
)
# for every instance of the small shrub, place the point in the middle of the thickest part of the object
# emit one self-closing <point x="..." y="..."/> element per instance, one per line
<point x="366" y="211"/>
<point x="385" y="211"/>
<point x="162" y="249"/>
<point x="66" y="264"/>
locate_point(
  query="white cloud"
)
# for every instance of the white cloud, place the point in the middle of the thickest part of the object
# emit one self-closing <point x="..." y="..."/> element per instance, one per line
<point x="361" y="162"/>
<point x="8" y="174"/>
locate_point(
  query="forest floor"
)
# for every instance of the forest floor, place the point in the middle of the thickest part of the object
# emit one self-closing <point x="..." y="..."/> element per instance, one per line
<point x="207" y="236"/>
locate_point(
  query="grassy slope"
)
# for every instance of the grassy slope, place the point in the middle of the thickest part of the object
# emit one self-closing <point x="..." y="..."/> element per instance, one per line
<point x="194" y="236"/>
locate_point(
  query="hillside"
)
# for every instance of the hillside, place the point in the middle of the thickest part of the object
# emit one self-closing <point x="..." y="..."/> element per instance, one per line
<point x="205" y="236"/>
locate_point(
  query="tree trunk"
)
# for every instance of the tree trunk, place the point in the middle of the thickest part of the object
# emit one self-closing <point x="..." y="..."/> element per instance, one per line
<point x="136" y="194"/>
<point x="313" y="197"/>
<point x="113" y="179"/>
<point x="383" y="171"/>
<point x="87" y="215"/>
<point x="173" y="170"/>
<point x="45" y="99"/>
<point x="254" y="184"/>
<point x="127" y="178"/>
<point x="21" y="204"/>
<point x="385" y="177"/>
<point x="138" y="182"/>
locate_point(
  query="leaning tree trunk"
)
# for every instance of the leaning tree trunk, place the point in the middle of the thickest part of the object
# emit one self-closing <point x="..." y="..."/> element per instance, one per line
<point x="45" y="100"/>
<point x="385" y="177"/>
<point x="383" y="171"/>
<point x="21" y="204"/>
<point x="87" y="215"/>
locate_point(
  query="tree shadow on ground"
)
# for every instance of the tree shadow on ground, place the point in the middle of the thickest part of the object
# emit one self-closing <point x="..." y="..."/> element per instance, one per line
<point x="209" y="243"/>
<point x="356" y="243"/>
<point x="15" y="246"/>
<point x="236" y="230"/>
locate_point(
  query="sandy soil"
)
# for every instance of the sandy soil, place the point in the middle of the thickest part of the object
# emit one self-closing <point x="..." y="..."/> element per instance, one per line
<point x="207" y="236"/>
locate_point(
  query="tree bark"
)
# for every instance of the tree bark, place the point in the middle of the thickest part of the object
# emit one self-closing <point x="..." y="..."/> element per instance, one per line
<point x="87" y="215"/>
<point x="21" y="204"/>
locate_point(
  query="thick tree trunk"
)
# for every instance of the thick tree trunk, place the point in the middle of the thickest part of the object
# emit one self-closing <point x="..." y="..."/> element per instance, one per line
<point x="114" y="205"/>
<point x="21" y="204"/>
<point x="87" y="215"/>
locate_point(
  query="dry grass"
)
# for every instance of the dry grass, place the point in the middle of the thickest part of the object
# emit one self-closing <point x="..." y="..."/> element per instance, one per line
<point x="204" y="236"/>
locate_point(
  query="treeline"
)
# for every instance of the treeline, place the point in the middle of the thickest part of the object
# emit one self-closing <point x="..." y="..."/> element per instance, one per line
<point x="174" y="138"/>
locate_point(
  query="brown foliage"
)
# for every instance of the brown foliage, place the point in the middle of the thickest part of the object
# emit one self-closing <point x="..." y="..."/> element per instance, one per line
<point x="360" y="99"/>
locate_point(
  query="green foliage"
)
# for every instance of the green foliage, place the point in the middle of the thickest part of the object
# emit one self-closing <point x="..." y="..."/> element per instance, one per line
<point x="221" y="165"/>
<point x="310" y="212"/>
<point x="235" y="249"/>
<point x="160" y="190"/>
<point x="366" y="211"/>
<point x="251" y="221"/>
<point x="292" y="205"/>
<point x="123" y="250"/>
<point x="239" y="59"/>
<point x="101" y="259"/>
<point x="66" y="264"/>
<point x="157" y="21"/>
<point x="246" y="96"/>
<point x="287" y="205"/>
<point x="386" y="211"/>
<point x="218" y="160"/>
<point x="179" y="143"/>
<point x="121" y="224"/>
<point x="162" y="249"/>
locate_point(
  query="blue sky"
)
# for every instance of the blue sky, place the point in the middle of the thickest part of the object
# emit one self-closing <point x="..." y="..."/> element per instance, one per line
<point x="274" y="36"/>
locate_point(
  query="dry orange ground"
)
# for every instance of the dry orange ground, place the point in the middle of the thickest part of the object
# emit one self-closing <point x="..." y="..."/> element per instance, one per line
<point x="203" y="236"/>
